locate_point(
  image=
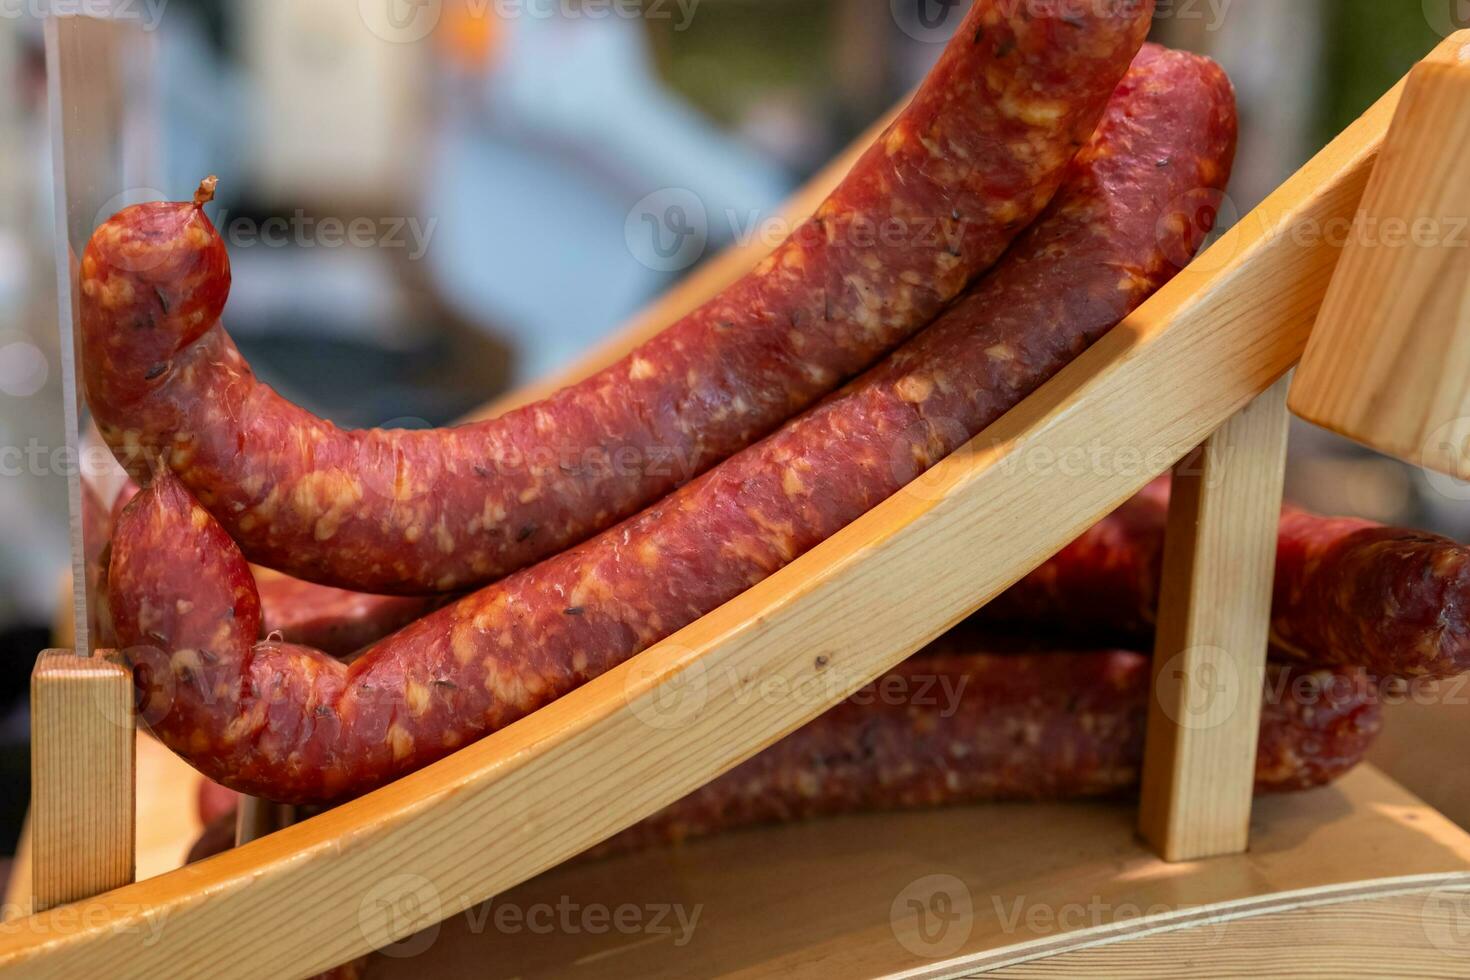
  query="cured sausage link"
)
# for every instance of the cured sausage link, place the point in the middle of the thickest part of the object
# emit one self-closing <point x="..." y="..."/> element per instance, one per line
<point x="966" y="166"/>
<point x="948" y="729"/>
<point x="335" y="621"/>
<point x="291" y="724"/>
<point x="1347" y="592"/>
<point x="977" y="728"/>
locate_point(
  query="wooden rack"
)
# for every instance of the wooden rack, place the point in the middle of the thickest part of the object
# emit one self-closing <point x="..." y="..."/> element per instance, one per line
<point x="1202" y="364"/>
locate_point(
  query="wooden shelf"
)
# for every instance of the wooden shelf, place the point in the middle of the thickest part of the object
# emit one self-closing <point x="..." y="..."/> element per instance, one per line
<point x="1363" y="864"/>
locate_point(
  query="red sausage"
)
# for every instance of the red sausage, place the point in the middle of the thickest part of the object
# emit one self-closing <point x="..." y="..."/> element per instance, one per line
<point x="946" y="729"/>
<point x="1347" y="592"/>
<point x="291" y="724"/>
<point x="971" y="161"/>
<point x="987" y="728"/>
<point x="335" y="621"/>
<point x="215" y="801"/>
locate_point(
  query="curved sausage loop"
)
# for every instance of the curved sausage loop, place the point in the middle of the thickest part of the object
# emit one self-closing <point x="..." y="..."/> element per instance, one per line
<point x="291" y="724"/>
<point x="967" y="165"/>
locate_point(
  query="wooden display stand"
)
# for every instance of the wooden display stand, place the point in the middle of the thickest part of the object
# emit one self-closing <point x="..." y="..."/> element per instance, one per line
<point x="1346" y="876"/>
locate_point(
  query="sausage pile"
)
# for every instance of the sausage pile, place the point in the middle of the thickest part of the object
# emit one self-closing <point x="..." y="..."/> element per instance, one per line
<point x="292" y="724"/>
<point x="1047" y="178"/>
<point x="971" y="161"/>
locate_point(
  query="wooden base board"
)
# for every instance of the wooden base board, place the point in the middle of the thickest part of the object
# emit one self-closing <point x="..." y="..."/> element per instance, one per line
<point x="963" y="891"/>
<point x="1359" y="877"/>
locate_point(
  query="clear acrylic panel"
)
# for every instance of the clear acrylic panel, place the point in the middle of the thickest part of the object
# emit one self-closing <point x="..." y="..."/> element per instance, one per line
<point x="99" y="76"/>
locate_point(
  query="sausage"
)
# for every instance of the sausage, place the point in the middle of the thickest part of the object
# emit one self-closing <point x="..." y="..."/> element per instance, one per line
<point x="335" y="621"/>
<point x="290" y="724"/>
<point x="968" y="164"/>
<point x="951" y="728"/>
<point x="1005" y="728"/>
<point x="216" y="801"/>
<point x="1347" y="592"/>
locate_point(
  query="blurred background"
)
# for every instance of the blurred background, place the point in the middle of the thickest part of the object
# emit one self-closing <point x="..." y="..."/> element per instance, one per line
<point x="428" y="201"/>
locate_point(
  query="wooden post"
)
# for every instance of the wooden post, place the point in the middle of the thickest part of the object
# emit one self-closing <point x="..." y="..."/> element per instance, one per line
<point x="1210" y="652"/>
<point x="82" y="778"/>
<point x="1388" y="363"/>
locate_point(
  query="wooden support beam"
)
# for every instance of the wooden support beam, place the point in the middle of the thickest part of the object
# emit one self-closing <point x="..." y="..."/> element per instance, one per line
<point x="1210" y="651"/>
<point x="82" y="779"/>
<point x="1388" y="363"/>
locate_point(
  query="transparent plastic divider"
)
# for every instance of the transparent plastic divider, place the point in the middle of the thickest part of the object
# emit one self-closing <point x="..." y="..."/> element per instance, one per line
<point x="103" y="145"/>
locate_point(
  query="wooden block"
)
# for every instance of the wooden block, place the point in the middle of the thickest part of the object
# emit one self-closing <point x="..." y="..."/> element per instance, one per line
<point x="1210" y="651"/>
<point x="1388" y="363"/>
<point x="82" y="780"/>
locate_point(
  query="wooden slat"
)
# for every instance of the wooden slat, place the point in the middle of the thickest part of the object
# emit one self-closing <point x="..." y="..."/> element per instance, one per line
<point x="1210" y="648"/>
<point x="82" y="780"/>
<point x="526" y="798"/>
<point x="1389" y="361"/>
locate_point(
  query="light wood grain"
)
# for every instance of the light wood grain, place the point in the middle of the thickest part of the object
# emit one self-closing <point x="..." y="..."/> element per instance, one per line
<point x="167" y="821"/>
<point x="1418" y="934"/>
<point x="832" y="898"/>
<point x="1210" y="648"/>
<point x="502" y="810"/>
<point x="81" y="819"/>
<point x="1389" y="361"/>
